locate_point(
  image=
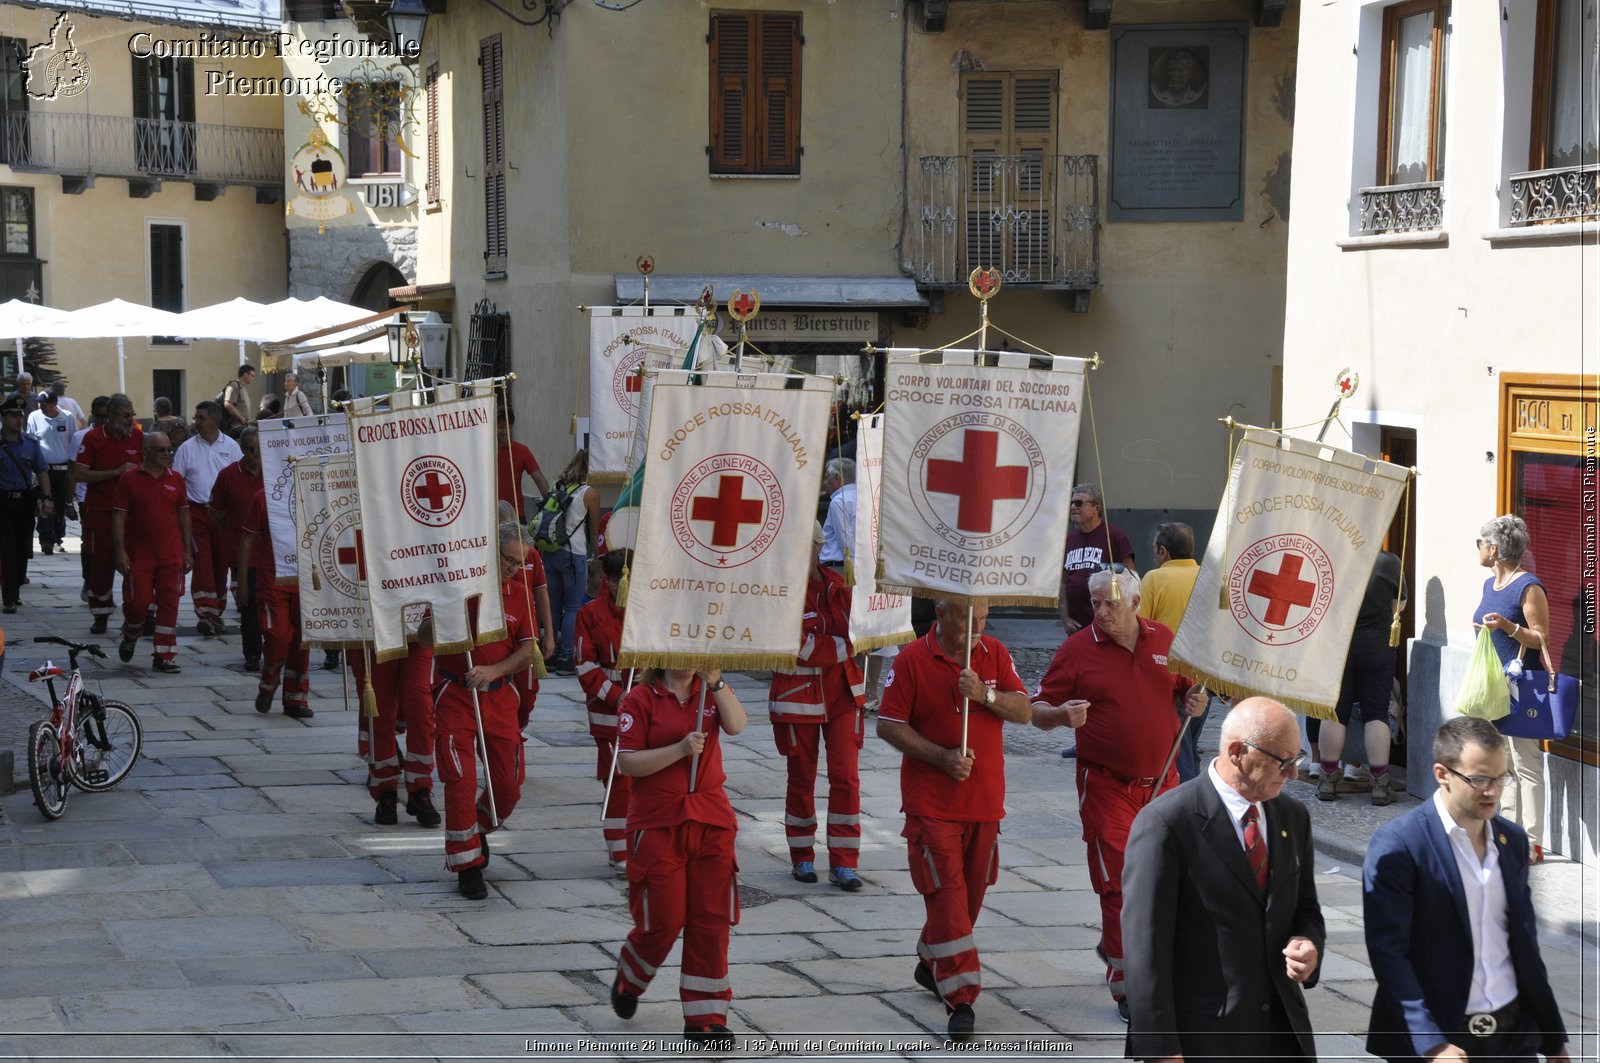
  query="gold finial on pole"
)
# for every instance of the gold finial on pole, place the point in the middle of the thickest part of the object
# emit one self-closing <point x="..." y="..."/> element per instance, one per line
<point x="742" y="306"/>
<point x="984" y="284"/>
<point x="646" y="266"/>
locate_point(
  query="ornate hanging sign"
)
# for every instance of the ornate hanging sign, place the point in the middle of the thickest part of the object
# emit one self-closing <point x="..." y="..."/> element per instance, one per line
<point x="318" y="173"/>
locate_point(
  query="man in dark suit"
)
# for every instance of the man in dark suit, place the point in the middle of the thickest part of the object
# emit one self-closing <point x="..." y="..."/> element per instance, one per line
<point x="1449" y="919"/>
<point x="1220" y="920"/>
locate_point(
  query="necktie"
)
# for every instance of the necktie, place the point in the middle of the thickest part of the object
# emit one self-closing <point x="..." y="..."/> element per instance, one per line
<point x="1254" y="850"/>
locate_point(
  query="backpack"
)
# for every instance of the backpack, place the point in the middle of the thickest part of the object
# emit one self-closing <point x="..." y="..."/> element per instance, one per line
<point x="549" y="527"/>
<point x="231" y="426"/>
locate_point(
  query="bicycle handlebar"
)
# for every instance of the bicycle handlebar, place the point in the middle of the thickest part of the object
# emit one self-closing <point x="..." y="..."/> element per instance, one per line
<point x="76" y="647"/>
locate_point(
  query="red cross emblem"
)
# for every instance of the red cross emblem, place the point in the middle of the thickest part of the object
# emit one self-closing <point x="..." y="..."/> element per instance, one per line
<point x="743" y="305"/>
<point x="726" y="511"/>
<point x="646" y="264"/>
<point x="977" y="480"/>
<point x="635" y="382"/>
<point x="1347" y="382"/>
<point x="1280" y="588"/>
<point x="984" y="283"/>
<point x="434" y="490"/>
<point x="351" y="556"/>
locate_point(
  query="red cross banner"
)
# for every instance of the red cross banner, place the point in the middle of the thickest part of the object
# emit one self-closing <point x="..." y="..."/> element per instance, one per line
<point x="333" y="594"/>
<point x="877" y="618"/>
<point x="1295" y="539"/>
<point x="732" y="473"/>
<point x="621" y="340"/>
<point x="978" y="459"/>
<point x="283" y="444"/>
<point x="428" y="519"/>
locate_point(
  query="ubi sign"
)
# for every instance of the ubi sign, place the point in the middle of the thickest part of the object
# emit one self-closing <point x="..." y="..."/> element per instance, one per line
<point x="389" y="194"/>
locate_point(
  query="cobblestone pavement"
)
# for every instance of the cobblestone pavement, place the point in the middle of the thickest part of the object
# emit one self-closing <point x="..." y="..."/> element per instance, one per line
<point x="232" y="899"/>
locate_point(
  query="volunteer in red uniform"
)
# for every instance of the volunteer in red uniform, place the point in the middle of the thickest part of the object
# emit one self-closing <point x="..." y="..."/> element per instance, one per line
<point x="400" y="690"/>
<point x="154" y="546"/>
<point x="512" y="462"/>
<point x="200" y="459"/>
<point x="595" y="646"/>
<point x="822" y="699"/>
<point x="286" y="658"/>
<point x="231" y="495"/>
<point x="682" y="877"/>
<point x="466" y="820"/>
<point x="104" y="454"/>
<point x="530" y="584"/>
<point x="1110" y="682"/>
<point x="953" y="802"/>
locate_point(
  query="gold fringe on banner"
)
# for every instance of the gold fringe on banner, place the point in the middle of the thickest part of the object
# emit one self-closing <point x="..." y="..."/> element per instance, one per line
<point x="369" y="697"/>
<point x="607" y="478"/>
<point x="1230" y="690"/>
<point x="878" y="642"/>
<point x="727" y="662"/>
<point x="849" y="568"/>
<point x="879" y="574"/>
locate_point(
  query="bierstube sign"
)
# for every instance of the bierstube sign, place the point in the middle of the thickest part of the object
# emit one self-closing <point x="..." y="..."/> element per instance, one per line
<point x="979" y="454"/>
<point x="428" y="519"/>
<point x="732" y="472"/>
<point x="333" y="593"/>
<point x="1295" y="539"/>
<point x="877" y="618"/>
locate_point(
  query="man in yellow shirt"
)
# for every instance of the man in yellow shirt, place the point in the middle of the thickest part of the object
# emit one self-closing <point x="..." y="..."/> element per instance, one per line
<point x="1165" y="595"/>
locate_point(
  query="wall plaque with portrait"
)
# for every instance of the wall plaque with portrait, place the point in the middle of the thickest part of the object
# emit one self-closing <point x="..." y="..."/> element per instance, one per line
<point x="1177" y="122"/>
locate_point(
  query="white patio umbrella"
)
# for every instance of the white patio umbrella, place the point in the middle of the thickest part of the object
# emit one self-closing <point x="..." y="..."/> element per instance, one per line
<point x="119" y="318"/>
<point x="20" y="319"/>
<point x="239" y="319"/>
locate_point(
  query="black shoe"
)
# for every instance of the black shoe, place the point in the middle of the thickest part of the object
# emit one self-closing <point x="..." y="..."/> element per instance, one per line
<point x="149" y="626"/>
<point x="420" y="804"/>
<point x="483" y="846"/>
<point x="125" y="649"/>
<point x="1122" y="1010"/>
<point x="263" y="702"/>
<point x="709" y="1038"/>
<point x="470" y="884"/>
<point x="161" y="664"/>
<point x="252" y="664"/>
<point x="208" y="627"/>
<point x="924" y="976"/>
<point x="298" y="712"/>
<point x="48" y="548"/>
<point x="98" y="627"/>
<point x="387" y="814"/>
<point x="9" y="608"/>
<point x="330" y="662"/>
<point x="562" y="666"/>
<point x="624" y="1004"/>
<point x="962" y="1022"/>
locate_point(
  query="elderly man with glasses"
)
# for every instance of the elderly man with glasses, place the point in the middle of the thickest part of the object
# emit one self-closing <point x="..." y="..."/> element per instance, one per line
<point x="154" y="545"/>
<point x="1220" y="914"/>
<point x="1110" y="683"/>
<point x="1449" y="918"/>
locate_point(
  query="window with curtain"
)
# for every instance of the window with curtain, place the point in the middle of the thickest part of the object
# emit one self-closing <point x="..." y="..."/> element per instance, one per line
<point x="1566" y="118"/>
<point x="1416" y="49"/>
<point x="374" y="129"/>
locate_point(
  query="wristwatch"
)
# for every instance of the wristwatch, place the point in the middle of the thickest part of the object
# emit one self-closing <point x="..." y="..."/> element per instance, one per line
<point x="718" y="685"/>
<point x="988" y="697"/>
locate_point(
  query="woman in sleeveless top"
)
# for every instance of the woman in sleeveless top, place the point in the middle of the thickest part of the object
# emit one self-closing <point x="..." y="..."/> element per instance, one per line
<point x="567" y="569"/>
<point x="1517" y="613"/>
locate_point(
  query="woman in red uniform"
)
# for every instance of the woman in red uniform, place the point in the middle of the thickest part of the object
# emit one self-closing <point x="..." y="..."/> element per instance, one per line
<point x="682" y="877"/>
<point x="594" y="651"/>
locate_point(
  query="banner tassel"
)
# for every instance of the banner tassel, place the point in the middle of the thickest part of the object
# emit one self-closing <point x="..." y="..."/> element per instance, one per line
<point x="369" y="698"/>
<point x="881" y="573"/>
<point x="849" y="568"/>
<point x="1394" y="629"/>
<point x="622" y="587"/>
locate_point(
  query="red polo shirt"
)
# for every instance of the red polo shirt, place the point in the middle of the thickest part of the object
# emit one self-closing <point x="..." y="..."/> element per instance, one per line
<point x="920" y="690"/>
<point x="652" y="717"/>
<point x="511" y="464"/>
<point x="262" y="557"/>
<point x="1132" y="697"/>
<point x="100" y="451"/>
<point x="151" y="532"/>
<point x="498" y="706"/>
<point x="231" y="496"/>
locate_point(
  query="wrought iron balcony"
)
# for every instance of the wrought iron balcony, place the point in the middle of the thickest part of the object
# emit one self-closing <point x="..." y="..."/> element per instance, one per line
<point x="141" y="149"/>
<point x="1564" y="194"/>
<point x="1414" y="208"/>
<point x="1035" y="217"/>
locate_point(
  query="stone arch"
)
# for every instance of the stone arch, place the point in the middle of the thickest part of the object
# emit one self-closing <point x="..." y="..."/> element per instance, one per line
<point x="372" y="289"/>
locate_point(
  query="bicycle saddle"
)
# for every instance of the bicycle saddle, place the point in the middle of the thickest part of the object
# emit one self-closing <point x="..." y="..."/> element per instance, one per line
<point x="48" y="670"/>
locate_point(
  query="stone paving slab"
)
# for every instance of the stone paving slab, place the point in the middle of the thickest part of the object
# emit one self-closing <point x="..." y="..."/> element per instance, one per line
<point x="384" y="996"/>
<point x="357" y="931"/>
<point x="188" y="1008"/>
<point x="231" y="873"/>
<point x="214" y="850"/>
<point x="203" y="936"/>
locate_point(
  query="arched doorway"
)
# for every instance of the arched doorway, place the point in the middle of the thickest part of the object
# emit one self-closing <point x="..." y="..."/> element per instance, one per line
<point x="372" y="291"/>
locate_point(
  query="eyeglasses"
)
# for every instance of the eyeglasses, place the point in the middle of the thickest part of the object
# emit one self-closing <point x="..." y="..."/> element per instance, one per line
<point x="159" y="450"/>
<point x="511" y="562"/>
<point x="1115" y="567"/>
<point x="1285" y="764"/>
<point x="1076" y="502"/>
<point x="1482" y="782"/>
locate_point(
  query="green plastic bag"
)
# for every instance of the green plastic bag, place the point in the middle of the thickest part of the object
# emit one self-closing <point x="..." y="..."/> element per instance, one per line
<point x="1485" y="692"/>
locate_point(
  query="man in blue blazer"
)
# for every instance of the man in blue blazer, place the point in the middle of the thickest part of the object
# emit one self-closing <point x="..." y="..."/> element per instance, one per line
<point x="1449" y="919"/>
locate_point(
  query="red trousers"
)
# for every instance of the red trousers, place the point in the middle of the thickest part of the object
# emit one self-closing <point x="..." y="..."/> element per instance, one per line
<point x="843" y="734"/>
<point x="683" y="880"/>
<point x="102" y="560"/>
<point x="952" y="864"/>
<point x="209" y="578"/>
<point x="284" y="658"/>
<point x="400" y="688"/>
<point x="161" y="582"/>
<point x="1106" y="805"/>
<point x="527" y="687"/>
<point x="466" y="818"/>
<point x="614" y="818"/>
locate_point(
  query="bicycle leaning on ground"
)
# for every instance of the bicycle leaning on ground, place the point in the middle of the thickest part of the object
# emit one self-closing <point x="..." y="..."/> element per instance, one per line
<point x="89" y="742"/>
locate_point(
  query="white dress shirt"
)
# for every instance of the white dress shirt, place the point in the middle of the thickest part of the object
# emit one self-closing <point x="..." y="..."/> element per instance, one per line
<point x="200" y="462"/>
<point x="54" y="435"/>
<point x="1494" y="979"/>
<point x="1237" y="806"/>
<point x="839" y="530"/>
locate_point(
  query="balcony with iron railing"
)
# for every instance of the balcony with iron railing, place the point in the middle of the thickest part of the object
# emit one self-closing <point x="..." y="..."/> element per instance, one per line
<point x="141" y="149"/>
<point x="1034" y="217"/>
<point x="1411" y="208"/>
<point x="1564" y="194"/>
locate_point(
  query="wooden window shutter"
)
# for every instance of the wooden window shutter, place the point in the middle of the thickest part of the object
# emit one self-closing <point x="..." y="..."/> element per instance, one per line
<point x="166" y="267"/>
<point x="732" y="125"/>
<point x="431" y="185"/>
<point x="183" y="72"/>
<point x="143" y="75"/>
<point x="490" y="58"/>
<point x="780" y="93"/>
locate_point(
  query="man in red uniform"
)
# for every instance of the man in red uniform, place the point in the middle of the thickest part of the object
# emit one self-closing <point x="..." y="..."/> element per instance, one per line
<point x="278" y="608"/>
<point x="231" y="495"/>
<point x="400" y="691"/>
<point x="823" y="697"/>
<point x="154" y="546"/>
<point x="199" y="460"/>
<point x="1110" y="682"/>
<point x="467" y="823"/>
<point x="952" y="792"/>
<point x="512" y="462"/>
<point x="105" y="453"/>
<point x="530" y="583"/>
<point x="594" y="647"/>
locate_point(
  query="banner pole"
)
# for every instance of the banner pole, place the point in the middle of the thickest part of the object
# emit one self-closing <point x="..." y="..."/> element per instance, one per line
<point x="616" y="752"/>
<point x="483" y="747"/>
<point x="1172" y="755"/>
<point x="699" y="715"/>
<point x="966" y="704"/>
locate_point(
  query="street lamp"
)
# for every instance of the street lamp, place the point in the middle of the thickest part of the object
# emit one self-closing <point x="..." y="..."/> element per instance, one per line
<point x="407" y="20"/>
<point x="421" y="338"/>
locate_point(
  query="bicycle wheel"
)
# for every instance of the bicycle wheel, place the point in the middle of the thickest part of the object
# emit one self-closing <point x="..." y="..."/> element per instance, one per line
<point x="109" y="740"/>
<point x="46" y="770"/>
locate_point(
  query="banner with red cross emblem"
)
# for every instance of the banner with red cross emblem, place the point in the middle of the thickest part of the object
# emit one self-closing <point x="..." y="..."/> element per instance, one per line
<point x="730" y="500"/>
<point x="428" y="519"/>
<point x="1285" y="571"/>
<point x="621" y="340"/>
<point x="979" y="452"/>
<point x="333" y="593"/>
<point x="877" y="618"/>
<point x="282" y="445"/>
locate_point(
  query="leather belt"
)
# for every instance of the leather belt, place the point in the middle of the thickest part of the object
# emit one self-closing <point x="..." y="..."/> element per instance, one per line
<point x="451" y="677"/>
<point x="1146" y="781"/>
<point x="1483" y="1024"/>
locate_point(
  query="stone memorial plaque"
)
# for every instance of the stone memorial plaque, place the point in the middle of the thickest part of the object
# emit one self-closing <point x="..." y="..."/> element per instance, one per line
<point x="1177" y="122"/>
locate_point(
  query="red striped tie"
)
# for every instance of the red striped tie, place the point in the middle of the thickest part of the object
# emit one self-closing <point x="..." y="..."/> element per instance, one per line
<point x="1254" y="850"/>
